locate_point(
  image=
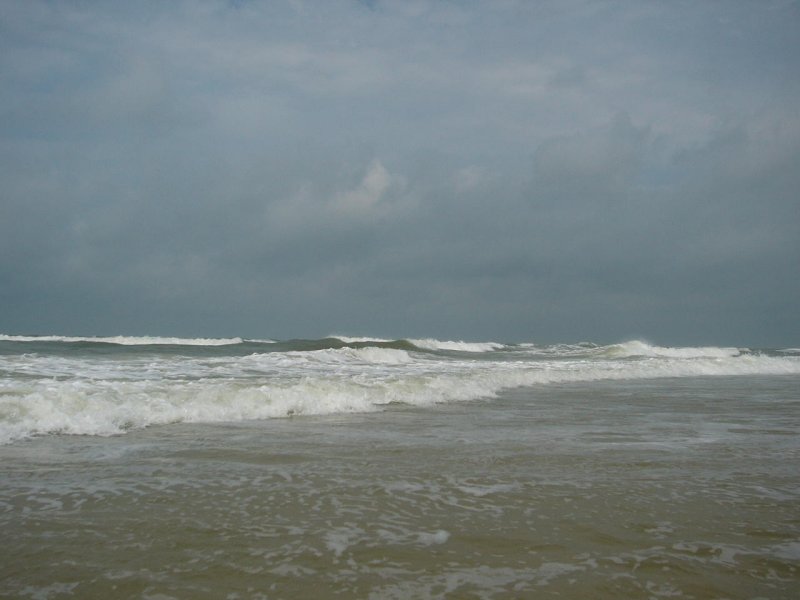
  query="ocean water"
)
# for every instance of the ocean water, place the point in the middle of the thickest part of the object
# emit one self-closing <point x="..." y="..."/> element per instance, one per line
<point x="365" y="468"/>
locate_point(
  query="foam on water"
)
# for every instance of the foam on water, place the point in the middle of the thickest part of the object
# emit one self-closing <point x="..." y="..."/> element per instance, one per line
<point x="355" y="355"/>
<point x="114" y="391"/>
<point x="431" y="344"/>
<point x="123" y="340"/>
<point x="427" y="343"/>
<point x="670" y="488"/>
<point x="638" y="348"/>
<point x="109" y="408"/>
<point x="357" y="340"/>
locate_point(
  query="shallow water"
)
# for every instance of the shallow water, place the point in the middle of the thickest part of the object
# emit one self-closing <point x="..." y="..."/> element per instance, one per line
<point x="606" y="489"/>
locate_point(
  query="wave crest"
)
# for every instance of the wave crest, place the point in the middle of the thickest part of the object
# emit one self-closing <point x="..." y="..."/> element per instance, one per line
<point x="635" y="348"/>
<point x="315" y="383"/>
<point x="367" y="354"/>
<point x="123" y="340"/>
<point x="432" y="344"/>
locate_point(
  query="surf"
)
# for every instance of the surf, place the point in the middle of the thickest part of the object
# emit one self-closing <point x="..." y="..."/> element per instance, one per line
<point x="55" y="386"/>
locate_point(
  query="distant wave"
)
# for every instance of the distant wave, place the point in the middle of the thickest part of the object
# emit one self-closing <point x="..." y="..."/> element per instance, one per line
<point x="623" y="350"/>
<point x="358" y="340"/>
<point x="419" y="344"/>
<point x="123" y="340"/>
<point x="368" y="355"/>
<point x="331" y="342"/>
<point x="557" y="350"/>
<point x="431" y="344"/>
<point x="637" y="348"/>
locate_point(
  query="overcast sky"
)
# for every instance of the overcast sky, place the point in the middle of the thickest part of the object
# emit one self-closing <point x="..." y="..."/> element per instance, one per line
<point x="500" y="170"/>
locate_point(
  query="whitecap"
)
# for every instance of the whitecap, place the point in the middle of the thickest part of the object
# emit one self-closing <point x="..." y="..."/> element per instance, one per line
<point x="638" y="348"/>
<point x="358" y="340"/>
<point x="432" y="344"/>
<point x="125" y="340"/>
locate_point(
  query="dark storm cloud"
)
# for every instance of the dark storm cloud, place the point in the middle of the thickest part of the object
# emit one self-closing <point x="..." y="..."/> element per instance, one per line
<point x="476" y="170"/>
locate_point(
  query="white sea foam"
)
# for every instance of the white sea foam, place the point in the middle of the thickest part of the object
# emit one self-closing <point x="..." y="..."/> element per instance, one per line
<point x="111" y="393"/>
<point x="486" y="490"/>
<point x="358" y="340"/>
<point x="109" y="408"/>
<point x="439" y="536"/>
<point x="431" y="344"/>
<point x="638" y="348"/>
<point x="558" y="350"/>
<point x="788" y="551"/>
<point x="125" y="340"/>
<point x="352" y="356"/>
<point x="387" y="356"/>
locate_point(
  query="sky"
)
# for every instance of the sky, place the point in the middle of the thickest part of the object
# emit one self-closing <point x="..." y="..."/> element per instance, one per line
<point x="500" y="170"/>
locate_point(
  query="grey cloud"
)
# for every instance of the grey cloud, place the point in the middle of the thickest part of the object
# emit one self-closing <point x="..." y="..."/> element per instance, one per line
<point x="505" y="170"/>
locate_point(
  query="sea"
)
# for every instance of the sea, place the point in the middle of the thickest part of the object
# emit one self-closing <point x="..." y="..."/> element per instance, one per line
<point x="345" y="467"/>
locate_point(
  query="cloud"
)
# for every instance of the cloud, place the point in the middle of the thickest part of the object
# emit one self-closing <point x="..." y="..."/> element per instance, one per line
<point x="502" y="170"/>
<point x="370" y="194"/>
<point x="608" y="156"/>
<point x="469" y="178"/>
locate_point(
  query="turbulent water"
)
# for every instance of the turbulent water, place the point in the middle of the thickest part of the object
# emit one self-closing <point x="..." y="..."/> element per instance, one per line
<point x="415" y="468"/>
<point x="105" y="386"/>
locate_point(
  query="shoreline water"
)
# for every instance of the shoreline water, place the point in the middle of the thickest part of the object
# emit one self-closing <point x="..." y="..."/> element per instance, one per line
<point x="675" y="487"/>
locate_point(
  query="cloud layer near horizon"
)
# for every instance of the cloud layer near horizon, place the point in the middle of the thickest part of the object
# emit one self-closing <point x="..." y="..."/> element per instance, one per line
<point x="503" y="170"/>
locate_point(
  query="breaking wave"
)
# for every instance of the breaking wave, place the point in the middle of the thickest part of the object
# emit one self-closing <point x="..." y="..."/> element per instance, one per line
<point x="423" y="344"/>
<point x="431" y="344"/>
<point x="123" y="340"/>
<point x="637" y="348"/>
<point x="358" y="340"/>
<point x="109" y="390"/>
